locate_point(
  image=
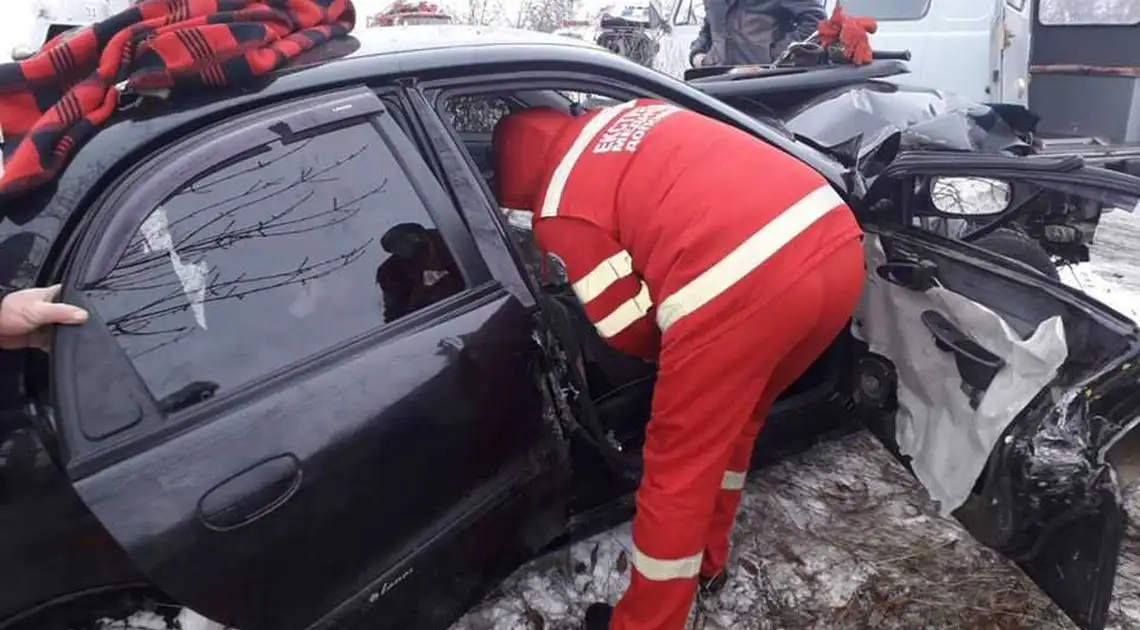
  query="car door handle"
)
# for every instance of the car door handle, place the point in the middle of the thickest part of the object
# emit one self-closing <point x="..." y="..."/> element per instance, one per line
<point x="250" y="494"/>
<point x="914" y="275"/>
<point x="452" y="346"/>
<point x="976" y="365"/>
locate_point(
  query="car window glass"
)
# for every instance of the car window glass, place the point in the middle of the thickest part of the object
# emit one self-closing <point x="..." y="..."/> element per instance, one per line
<point x="476" y="113"/>
<point x="1076" y="12"/>
<point x="888" y="10"/>
<point x="589" y="100"/>
<point x="270" y="258"/>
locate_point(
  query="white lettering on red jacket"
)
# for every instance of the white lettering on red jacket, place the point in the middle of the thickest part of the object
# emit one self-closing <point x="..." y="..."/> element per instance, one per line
<point x="652" y="202"/>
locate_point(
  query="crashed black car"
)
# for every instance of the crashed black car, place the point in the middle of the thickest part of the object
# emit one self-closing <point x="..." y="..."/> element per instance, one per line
<point x="849" y="110"/>
<point x="240" y="429"/>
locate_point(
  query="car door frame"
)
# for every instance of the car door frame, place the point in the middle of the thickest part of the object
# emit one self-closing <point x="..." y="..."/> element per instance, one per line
<point x="1027" y="497"/>
<point x="535" y="489"/>
<point x="1015" y="28"/>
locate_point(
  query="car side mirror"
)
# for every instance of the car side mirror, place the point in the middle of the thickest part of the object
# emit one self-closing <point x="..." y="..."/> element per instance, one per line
<point x="20" y="53"/>
<point x="969" y="196"/>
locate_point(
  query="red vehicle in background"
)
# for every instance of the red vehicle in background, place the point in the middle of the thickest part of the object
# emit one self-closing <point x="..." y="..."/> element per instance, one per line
<point x="402" y="13"/>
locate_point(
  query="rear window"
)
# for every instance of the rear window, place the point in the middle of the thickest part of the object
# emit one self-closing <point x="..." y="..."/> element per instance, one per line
<point x="1089" y="13"/>
<point x="888" y="10"/>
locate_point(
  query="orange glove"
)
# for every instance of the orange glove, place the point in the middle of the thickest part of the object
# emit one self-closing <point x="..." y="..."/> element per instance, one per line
<point x="830" y="29"/>
<point x="851" y="33"/>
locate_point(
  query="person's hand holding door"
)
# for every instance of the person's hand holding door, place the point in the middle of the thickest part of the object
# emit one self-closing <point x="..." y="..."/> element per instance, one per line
<point x="25" y="314"/>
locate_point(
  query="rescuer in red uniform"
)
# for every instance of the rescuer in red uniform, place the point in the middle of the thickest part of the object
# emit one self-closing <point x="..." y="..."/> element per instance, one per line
<point x="727" y="262"/>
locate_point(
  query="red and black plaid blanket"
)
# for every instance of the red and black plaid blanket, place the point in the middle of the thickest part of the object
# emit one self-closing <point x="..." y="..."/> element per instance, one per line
<point x="54" y="101"/>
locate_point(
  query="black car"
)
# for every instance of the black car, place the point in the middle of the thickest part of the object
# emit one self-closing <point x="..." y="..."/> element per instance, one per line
<point x="847" y="110"/>
<point x="241" y="430"/>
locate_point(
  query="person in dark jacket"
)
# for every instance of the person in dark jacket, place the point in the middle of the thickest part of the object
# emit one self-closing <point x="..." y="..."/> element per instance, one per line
<point x="419" y="273"/>
<point x="744" y="32"/>
<point x="25" y="314"/>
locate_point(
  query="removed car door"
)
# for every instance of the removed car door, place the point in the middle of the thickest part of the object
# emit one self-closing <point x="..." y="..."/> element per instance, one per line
<point x="1004" y="391"/>
<point x="302" y="396"/>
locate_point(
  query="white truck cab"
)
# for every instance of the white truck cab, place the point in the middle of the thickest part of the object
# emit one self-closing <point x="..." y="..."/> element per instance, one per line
<point x="978" y="49"/>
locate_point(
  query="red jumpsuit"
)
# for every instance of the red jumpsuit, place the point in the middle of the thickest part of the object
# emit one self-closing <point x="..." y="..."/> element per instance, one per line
<point x="728" y="262"/>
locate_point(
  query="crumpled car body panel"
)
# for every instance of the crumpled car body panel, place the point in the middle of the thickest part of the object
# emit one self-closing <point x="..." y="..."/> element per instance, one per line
<point x="872" y="113"/>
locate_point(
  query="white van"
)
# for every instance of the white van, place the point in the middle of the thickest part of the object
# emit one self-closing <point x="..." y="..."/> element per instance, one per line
<point x="40" y="21"/>
<point x="978" y="49"/>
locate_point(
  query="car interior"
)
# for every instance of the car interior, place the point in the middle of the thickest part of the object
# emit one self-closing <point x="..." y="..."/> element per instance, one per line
<point x="620" y="387"/>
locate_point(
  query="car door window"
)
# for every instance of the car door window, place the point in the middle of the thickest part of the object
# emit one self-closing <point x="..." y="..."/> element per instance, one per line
<point x="1083" y="12"/>
<point x="888" y="10"/>
<point x="270" y="258"/>
<point x="476" y="114"/>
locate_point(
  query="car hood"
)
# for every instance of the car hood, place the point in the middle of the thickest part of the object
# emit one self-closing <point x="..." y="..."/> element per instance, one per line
<point x="854" y="122"/>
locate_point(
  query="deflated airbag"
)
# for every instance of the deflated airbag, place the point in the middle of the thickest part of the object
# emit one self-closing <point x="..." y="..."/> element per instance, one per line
<point x="949" y="436"/>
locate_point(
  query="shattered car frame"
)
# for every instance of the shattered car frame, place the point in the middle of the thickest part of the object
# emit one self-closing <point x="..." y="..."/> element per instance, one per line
<point x="848" y="111"/>
<point x="389" y="471"/>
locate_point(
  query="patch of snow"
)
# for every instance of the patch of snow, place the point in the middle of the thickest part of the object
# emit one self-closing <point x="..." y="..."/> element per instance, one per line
<point x="148" y="620"/>
<point x="841" y="536"/>
<point x="190" y="620"/>
<point x="141" y="620"/>
<point x="1113" y="273"/>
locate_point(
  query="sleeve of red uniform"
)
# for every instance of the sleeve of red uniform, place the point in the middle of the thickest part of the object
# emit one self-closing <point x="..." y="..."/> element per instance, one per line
<point x="615" y="298"/>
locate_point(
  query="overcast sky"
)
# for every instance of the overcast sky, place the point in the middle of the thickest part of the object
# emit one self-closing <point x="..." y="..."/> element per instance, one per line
<point x="18" y="18"/>
<point x="17" y="23"/>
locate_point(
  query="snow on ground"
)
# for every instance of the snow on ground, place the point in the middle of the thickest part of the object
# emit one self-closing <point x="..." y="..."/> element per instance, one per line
<point x="1113" y="274"/>
<point x="839" y="537"/>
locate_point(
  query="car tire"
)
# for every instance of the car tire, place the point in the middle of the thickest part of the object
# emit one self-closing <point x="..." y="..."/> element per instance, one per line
<point x="1015" y="244"/>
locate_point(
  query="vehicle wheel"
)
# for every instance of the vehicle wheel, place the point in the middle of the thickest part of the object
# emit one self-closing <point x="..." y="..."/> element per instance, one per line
<point x="1013" y="243"/>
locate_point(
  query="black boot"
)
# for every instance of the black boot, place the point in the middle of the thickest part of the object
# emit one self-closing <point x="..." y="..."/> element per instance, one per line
<point x="598" y="617"/>
<point x="709" y="587"/>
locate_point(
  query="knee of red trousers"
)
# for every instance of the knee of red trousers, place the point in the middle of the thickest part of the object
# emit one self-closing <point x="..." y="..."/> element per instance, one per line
<point x="654" y="604"/>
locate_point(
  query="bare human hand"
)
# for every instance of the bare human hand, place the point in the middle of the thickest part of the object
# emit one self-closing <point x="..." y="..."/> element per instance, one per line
<point x="26" y="314"/>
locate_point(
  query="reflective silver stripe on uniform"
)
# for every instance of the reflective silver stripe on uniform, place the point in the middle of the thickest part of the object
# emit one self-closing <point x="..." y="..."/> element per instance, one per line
<point x="733" y="481"/>
<point x="627" y="314"/>
<point x="557" y="185"/>
<point x="603" y="276"/>
<point x="660" y="570"/>
<point x="748" y="256"/>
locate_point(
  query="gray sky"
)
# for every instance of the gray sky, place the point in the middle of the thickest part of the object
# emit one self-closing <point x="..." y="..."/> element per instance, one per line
<point x="16" y="25"/>
<point x="19" y="16"/>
